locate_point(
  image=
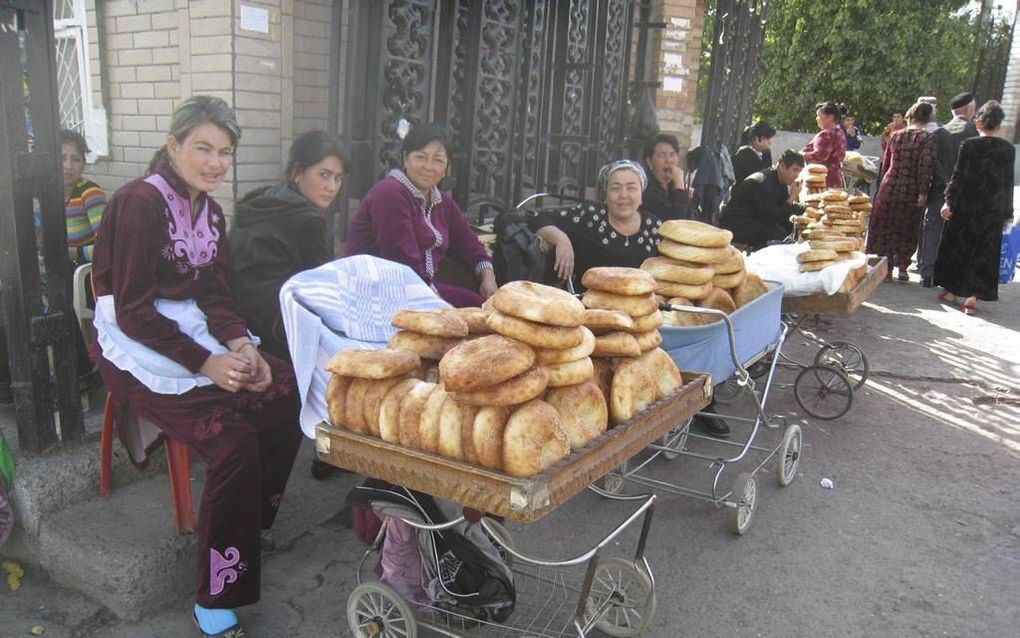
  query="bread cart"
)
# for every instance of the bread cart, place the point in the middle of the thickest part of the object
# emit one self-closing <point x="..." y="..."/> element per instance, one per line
<point x="567" y="597"/>
<point x="726" y="348"/>
<point x="825" y="388"/>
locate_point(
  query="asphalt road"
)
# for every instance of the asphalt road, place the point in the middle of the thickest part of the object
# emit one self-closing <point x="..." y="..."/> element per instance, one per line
<point x="920" y="535"/>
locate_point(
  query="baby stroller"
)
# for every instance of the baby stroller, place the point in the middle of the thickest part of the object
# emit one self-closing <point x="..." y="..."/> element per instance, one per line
<point x="462" y="576"/>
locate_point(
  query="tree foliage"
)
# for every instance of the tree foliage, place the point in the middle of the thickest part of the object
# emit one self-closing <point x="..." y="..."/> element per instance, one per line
<point x="876" y="56"/>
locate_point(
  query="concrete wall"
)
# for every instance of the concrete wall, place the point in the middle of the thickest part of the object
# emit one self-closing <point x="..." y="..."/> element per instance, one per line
<point x="675" y="54"/>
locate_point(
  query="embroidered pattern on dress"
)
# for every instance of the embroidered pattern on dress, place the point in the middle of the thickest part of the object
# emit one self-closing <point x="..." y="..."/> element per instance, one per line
<point x="221" y="569"/>
<point x="427" y="205"/>
<point x="193" y="240"/>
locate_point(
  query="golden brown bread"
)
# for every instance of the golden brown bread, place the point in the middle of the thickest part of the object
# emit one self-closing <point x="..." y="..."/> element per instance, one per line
<point x="533" y="439"/>
<point x="538" y="303"/>
<point x="693" y="233"/>
<point x="597" y="319"/>
<point x="603" y="375"/>
<point x="697" y="254"/>
<point x="425" y="346"/>
<point x="438" y="323"/>
<point x="663" y="371"/>
<point x="813" y="266"/>
<point x="584" y="414"/>
<point x="336" y="399"/>
<point x="633" y="389"/>
<point x="389" y="409"/>
<point x="617" y="280"/>
<point x="373" y="364"/>
<point x="429" y="428"/>
<point x="484" y="362"/>
<point x="815" y="255"/>
<point x="409" y="416"/>
<point x="519" y="389"/>
<point x="668" y="289"/>
<point x="373" y="401"/>
<point x="452" y="417"/>
<point x="476" y="320"/>
<point x="616" y="344"/>
<point x="582" y="350"/>
<point x="750" y="289"/>
<point x="731" y="280"/>
<point x="734" y="264"/>
<point x="718" y="299"/>
<point x="570" y="373"/>
<point x="680" y="272"/>
<point x="355" y="405"/>
<point x="649" y="340"/>
<point x="535" y="334"/>
<point x="633" y="305"/>
<point x="487" y="436"/>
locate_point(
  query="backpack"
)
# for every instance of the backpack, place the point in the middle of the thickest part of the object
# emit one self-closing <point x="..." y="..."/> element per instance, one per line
<point x="516" y="254"/>
<point x="463" y="569"/>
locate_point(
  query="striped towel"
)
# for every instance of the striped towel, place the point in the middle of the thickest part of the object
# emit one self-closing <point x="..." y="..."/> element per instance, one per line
<point x="345" y="304"/>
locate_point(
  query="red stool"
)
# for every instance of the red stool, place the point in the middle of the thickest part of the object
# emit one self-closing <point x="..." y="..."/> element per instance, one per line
<point x="176" y="462"/>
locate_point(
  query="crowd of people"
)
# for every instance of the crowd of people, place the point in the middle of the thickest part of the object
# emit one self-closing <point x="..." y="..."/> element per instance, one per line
<point x="189" y="327"/>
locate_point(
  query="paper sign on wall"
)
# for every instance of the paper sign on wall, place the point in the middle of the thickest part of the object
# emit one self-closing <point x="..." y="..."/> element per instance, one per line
<point x="254" y="19"/>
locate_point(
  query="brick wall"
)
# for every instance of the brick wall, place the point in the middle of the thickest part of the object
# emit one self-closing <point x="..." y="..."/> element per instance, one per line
<point x="675" y="54"/>
<point x="1011" y="93"/>
<point x="311" y="64"/>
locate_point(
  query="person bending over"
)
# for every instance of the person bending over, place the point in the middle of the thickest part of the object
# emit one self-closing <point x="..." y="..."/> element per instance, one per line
<point x="760" y="207"/>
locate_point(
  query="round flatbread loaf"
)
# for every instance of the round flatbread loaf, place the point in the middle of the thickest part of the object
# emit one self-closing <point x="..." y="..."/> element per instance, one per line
<point x="355" y="405"/>
<point x="534" y="334"/>
<point x="484" y="362"/>
<point x="680" y="318"/>
<point x="821" y="233"/>
<point x="834" y="196"/>
<point x="336" y="400"/>
<point x="438" y="323"/>
<point x="667" y="289"/>
<point x="584" y="414"/>
<point x="373" y="402"/>
<point x="597" y="319"/>
<point x="648" y="340"/>
<point x="533" y="439"/>
<point x="409" y="416"/>
<point x="838" y="245"/>
<point x="633" y="305"/>
<point x="620" y="281"/>
<point x="476" y="320"/>
<point x="696" y="254"/>
<point x="692" y="233"/>
<point x="815" y="255"/>
<point x="728" y="281"/>
<point x="663" y="371"/>
<point x="633" y="389"/>
<point x="671" y="270"/>
<point x="750" y="289"/>
<point x="425" y="346"/>
<point x="616" y="344"/>
<point x="452" y="417"/>
<point x="487" y="436"/>
<point x="648" y="322"/>
<point x="603" y="376"/>
<point x="389" y="409"/>
<point x="519" y="389"/>
<point x="813" y="266"/>
<point x="570" y="373"/>
<point x="819" y="169"/>
<point x="538" y="303"/>
<point x="734" y="264"/>
<point x="580" y="351"/>
<point x="718" y="299"/>
<point x="429" y="428"/>
<point x="373" y="364"/>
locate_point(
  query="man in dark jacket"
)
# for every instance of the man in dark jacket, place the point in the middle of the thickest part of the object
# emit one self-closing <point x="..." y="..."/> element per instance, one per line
<point x="760" y="207"/>
<point x="947" y="146"/>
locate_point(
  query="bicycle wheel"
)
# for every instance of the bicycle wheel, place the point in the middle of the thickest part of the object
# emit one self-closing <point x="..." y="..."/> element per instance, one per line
<point x="847" y="357"/>
<point x="823" y="392"/>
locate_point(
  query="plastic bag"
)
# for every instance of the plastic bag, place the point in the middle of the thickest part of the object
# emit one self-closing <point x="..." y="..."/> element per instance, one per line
<point x="1009" y="253"/>
<point x="6" y="484"/>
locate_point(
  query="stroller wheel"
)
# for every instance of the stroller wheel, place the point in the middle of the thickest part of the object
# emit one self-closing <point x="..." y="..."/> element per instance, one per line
<point x="622" y="596"/>
<point x="376" y="611"/>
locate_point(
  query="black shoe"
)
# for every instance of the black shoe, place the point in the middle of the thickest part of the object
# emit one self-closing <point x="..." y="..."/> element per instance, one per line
<point x="926" y="282"/>
<point x="712" y="426"/>
<point x="322" y="471"/>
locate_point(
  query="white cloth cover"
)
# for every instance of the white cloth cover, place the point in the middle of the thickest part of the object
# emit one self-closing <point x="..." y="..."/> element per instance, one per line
<point x="779" y="263"/>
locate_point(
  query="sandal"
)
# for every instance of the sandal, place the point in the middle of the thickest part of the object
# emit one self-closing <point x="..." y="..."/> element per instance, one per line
<point x="969" y="306"/>
<point x="235" y="631"/>
<point x="945" y="295"/>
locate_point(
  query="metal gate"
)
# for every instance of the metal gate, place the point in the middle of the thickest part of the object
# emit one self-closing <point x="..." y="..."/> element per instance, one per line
<point x="737" y="41"/>
<point x="535" y="92"/>
<point x="36" y="307"/>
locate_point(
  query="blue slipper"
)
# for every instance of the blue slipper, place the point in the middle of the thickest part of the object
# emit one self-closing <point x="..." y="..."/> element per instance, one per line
<point x="235" y="631"/>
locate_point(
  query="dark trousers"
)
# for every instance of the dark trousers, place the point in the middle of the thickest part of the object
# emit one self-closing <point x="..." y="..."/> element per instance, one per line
<point x="248" y="442"/>
<point x="931" y="235"/>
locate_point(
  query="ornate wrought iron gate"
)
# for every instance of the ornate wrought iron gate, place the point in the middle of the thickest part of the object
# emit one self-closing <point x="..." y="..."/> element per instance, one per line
<point x="535" y="92"/>
<point x="737" y="41"/>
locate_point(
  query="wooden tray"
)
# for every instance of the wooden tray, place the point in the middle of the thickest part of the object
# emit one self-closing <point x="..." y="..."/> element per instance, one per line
<point x="524" y="500"/>
<point x="841" y="303"/>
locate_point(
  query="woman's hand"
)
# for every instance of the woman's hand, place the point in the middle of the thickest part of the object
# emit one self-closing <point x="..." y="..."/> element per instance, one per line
<point x="231" y="371"/>
<point x="945" y="213"/>
<point x="922" y="200"/>
<point x="488" y="285"/>
<point x="262" y="375"/>
<point x="564" y="265"/>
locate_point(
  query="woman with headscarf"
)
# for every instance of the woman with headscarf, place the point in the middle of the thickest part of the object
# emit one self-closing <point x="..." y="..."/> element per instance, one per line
<point x="614" y="233"/>
<point x="828" y="146"/>
<point x="907" y="165"/>
<point x="979" y="201"/>
<point x="406" y="218"/>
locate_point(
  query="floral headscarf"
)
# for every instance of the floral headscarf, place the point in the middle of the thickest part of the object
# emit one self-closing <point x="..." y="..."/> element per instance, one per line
<point x="620" y="165"/>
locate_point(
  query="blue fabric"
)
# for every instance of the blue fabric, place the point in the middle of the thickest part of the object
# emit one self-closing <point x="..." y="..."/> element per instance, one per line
<point x="707" y="348"/>
<point x="342" y="305"/>
<point x="1009" y="253"/>
<point x="214" y="621"/>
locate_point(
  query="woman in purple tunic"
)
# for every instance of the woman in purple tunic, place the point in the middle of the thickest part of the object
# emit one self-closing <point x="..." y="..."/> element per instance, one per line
<point x="407" y="219"/>
<point x="175" y="350"/>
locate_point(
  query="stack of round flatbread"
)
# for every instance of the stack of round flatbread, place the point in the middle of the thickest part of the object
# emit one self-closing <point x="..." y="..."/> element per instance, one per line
<point x="363" y="382"/>
<point x="813" y="260"/>
<point x="429" y="334"/>
<point x="814" y="176"/>
<point x="622" y="311"/>
<point x="639" y="382"/>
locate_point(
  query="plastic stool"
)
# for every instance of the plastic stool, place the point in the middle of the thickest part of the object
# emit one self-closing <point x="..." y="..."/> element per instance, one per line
<point x="177" y="467"/>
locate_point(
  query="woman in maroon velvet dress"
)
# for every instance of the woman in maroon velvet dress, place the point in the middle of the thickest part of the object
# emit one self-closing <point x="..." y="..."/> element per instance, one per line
<point x="829" y="145"/>
<point x="407" y="219"/>
<point x="907" y="163"/>
<point x="175" y="350"/>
